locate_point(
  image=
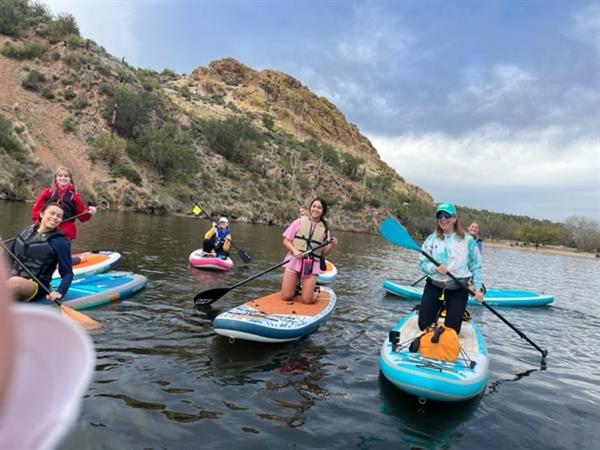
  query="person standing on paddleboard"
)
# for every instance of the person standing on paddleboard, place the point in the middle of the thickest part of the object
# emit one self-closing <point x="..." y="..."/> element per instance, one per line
<point x="63" y="192"/>
<point x="458" y="254"/>
<point x="39" y="250"/>
<point x="302" y="234"/>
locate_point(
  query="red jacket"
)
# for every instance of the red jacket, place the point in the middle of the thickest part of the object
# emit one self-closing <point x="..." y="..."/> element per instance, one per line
<point x="67" y="226"/>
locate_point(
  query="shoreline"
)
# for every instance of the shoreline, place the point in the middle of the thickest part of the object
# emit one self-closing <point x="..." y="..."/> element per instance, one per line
<point x="549" y="249"/>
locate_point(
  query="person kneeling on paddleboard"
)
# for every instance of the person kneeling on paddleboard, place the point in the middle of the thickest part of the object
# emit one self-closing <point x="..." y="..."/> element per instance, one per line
<point x="305" y="233"/>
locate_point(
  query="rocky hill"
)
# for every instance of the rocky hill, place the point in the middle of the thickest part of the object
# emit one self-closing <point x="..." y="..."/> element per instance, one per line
<point x="249" y="144"/>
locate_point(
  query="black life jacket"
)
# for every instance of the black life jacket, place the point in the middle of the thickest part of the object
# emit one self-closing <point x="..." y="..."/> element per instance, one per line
<point x="310" y="235"/>
<point x="33" y="250"/>
<point x="67" y="203"/>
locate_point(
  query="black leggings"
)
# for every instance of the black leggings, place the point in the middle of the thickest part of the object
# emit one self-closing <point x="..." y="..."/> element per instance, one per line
<point x="456" y="303"/>
<point x="208" y="245"/>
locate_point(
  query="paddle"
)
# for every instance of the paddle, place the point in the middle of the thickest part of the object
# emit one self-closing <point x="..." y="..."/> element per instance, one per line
<point x="394" y="232"/>
<point x="85" y="321"/>
<point x="8" y="241"/>
<point x="244" y="255"/>
<point x="212" y="295"/>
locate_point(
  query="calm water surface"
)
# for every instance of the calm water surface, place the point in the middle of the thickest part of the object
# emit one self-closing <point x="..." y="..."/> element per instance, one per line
<point x="164" y="380"/>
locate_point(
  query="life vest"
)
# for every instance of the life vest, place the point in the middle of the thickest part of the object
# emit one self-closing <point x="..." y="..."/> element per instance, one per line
<point x="220" y="235"/>
<point x="439" y="343"/>
<point x="66" y="202"/>
<point x="310" y="235"/>
<point x="33" y="250"/>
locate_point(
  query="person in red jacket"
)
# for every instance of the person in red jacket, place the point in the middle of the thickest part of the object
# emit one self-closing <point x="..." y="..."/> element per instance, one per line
<point x="63" y="192"/>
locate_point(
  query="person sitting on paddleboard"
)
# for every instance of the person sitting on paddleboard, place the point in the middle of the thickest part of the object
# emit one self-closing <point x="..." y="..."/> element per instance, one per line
<point x="458" y="254"/>
<point x="63" y="192"/>
<point x="217" y="240"/>
<point x="301" y="235"/>
<point x="41" y="248"/>
<point x="474" y="232"/>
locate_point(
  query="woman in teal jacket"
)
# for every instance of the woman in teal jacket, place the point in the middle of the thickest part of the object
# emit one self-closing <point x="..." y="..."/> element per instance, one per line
<point x="458" y="254"/>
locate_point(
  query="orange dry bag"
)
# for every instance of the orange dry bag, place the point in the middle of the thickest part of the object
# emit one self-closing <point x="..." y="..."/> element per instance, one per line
<point x="440" y="343"/>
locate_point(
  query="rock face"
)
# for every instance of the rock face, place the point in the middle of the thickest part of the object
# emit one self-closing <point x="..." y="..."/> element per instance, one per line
<point x="58" y="122"/>
<point x="294" y="108"/>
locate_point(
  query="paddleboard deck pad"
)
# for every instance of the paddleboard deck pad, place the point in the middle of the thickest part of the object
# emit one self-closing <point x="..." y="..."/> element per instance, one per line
<point x="431" y="379"/>
<point x="96" y="261"/>
<point x="270" y="319"/>
<point x="100" y="289"/>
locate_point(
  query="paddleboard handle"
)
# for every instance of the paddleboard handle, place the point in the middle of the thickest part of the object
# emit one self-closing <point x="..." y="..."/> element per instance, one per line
<point x="394" y="338"/>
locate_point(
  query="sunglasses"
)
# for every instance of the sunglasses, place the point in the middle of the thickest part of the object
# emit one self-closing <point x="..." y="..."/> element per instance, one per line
<point x="444" y="215"/>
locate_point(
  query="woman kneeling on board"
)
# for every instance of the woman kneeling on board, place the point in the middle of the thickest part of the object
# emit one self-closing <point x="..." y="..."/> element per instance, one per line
<point x="304" y="233"/>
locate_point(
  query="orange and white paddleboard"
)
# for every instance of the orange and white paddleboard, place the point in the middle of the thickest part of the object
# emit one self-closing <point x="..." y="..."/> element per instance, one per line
<point x="96" y="261"/>
<point x="270" y="319"/>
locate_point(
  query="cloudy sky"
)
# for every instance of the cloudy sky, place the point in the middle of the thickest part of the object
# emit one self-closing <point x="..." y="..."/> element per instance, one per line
<point x="490" y="104"/>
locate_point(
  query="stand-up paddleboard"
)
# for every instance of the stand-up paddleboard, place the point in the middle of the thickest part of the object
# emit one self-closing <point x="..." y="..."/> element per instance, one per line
<point x="494" y="297"/>
<point x="328" y="275"/>
<point x="270" y="319"/>
<point x="431" y="379"/>
<point x="201" y="260"/>
<point x="52" y="369"/>
<point x="100" y="289"/>
<point x="96" y="261"/>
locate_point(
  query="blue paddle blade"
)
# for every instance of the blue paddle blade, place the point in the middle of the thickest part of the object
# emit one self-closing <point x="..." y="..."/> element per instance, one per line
<point x="394" y="232"/>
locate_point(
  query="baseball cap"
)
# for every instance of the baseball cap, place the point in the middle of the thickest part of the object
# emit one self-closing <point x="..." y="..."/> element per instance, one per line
<point x="447" y="207"/>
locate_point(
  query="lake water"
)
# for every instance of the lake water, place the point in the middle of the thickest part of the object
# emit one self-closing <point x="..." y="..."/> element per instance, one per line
<point x="165" y="380"/>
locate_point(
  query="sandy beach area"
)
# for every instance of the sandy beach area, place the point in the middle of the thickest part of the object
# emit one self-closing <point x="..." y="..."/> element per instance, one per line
<point x="554" y="249"/>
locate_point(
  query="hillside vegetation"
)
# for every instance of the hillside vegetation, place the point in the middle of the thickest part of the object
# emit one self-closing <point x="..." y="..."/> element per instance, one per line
<point x="251" y="145"/>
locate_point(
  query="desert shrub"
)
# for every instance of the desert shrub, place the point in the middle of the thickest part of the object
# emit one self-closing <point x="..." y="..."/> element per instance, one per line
<point x="131" y="109"/>
<point x="234" y="138"/>
<point x="26" y="50"/>
<point x="69" y="94"/>
<point x="267" y="121"/>
<point x="108" y="148"/>
<point x="166" y="149"/>
<point x="33" y="81"/>
<point x="8" y="142"/>
<point x="123" y="169"/>
<point x="48" y="93"/>
<point x="64" y="25"/>
<point x="69" y="124"/>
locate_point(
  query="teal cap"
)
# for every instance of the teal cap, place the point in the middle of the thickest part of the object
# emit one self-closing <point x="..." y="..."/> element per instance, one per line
<point x="448" y="207"/>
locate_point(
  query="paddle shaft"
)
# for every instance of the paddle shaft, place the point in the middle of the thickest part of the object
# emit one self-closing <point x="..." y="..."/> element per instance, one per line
<point x="500" y="316"/>
<point x="220" y="292"/>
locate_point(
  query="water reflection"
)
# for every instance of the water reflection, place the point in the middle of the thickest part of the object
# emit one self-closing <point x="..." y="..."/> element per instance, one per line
<point x="433" y="425"/>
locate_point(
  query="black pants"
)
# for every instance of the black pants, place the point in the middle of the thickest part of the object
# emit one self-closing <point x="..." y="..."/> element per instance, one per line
<point x="208" y="245"/>
<point x="456" y="303"/>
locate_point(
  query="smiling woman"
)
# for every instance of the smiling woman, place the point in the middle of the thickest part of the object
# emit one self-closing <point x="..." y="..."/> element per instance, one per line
<point x="39" y="249"/>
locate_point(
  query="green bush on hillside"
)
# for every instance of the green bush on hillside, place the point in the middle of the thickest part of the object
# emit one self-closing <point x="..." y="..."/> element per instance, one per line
<point x="63" y="26"/>
<point x="18" y="15"/>
<point x="107" y="148"/>
<point x="166" y="149"/>
<point x="26" y="50"/>
<point x="8" y="142"/>
<point x="235" y="138"/>
<point x="130" y="109"/>
<point x="33" y="81"/>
